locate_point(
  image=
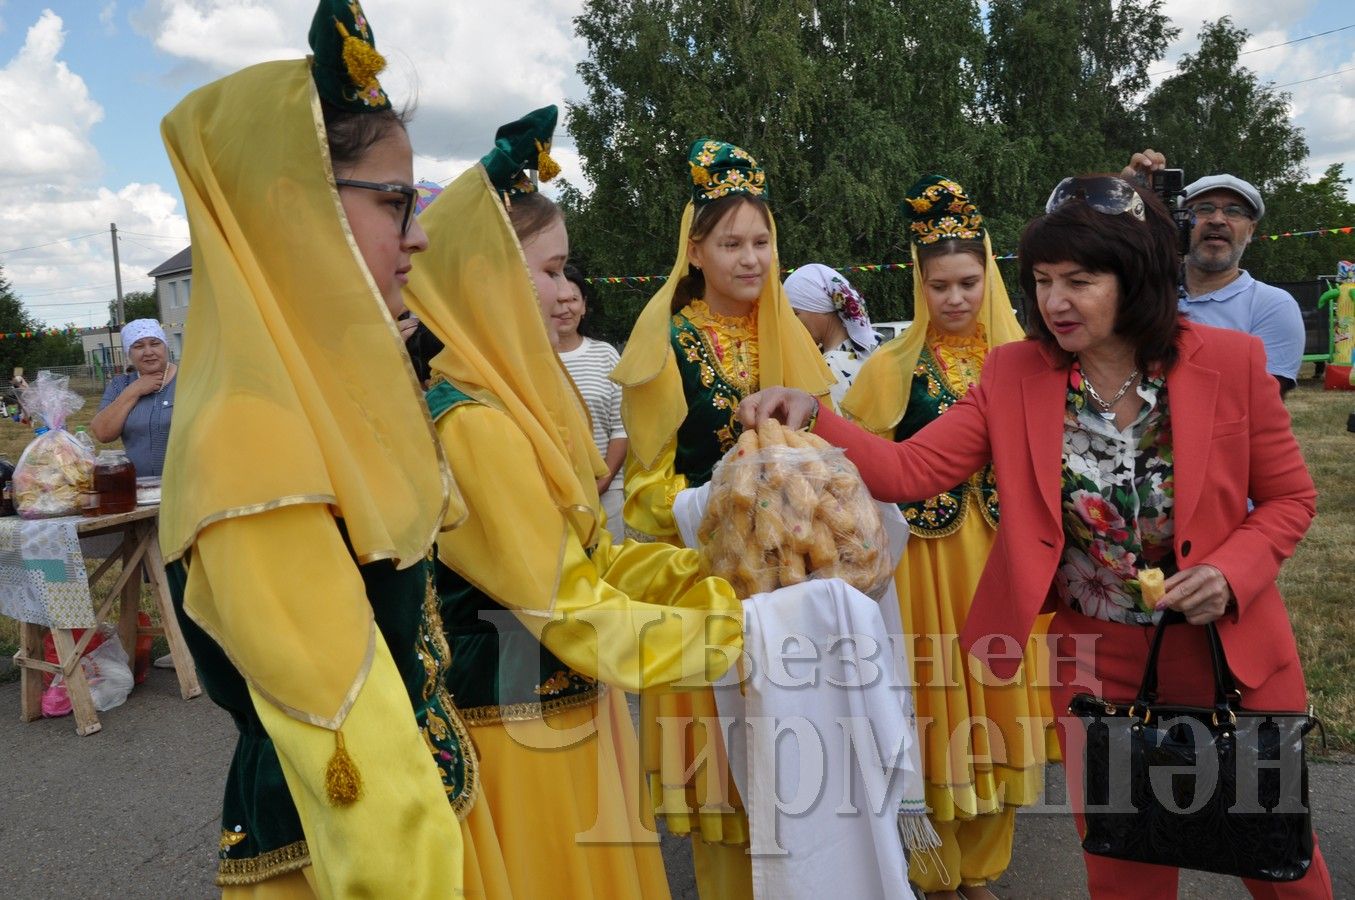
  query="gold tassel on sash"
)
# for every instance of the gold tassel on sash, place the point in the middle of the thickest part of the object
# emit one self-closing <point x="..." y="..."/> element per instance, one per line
<point x="343" y="784"/>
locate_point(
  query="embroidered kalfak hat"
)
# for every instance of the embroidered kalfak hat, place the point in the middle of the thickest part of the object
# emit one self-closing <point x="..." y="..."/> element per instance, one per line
<point x="345" y="62"/>
<point x="720" y="169"/>
<point x="938" y="209"/>
<point x="522" y="146"/>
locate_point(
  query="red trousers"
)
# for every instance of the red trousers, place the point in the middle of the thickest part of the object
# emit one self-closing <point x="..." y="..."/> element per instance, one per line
<point x="1107" y="659"/>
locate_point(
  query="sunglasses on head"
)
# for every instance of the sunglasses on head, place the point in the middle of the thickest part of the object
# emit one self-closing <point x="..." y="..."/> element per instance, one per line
<point x="409" y="193"/>
<point x="1103" y="193"/>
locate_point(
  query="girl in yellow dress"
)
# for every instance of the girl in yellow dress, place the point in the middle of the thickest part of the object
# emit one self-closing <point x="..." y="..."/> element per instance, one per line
<point x="975" y="781"/>
<point x="304" y="486"/>
<point x="545" y="615"/>
<point x="718" y="330"/>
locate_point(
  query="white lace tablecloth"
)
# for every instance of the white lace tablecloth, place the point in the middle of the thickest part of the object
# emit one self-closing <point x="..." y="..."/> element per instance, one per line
<point x="42" y="572"/>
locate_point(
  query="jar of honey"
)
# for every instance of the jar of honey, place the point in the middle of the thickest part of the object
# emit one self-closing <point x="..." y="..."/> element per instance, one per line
<point x="115" y="482"/>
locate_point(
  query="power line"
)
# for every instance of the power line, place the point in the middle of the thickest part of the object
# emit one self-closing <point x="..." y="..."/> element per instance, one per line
<point x="1314" y="78"/>
<point x="104" y="302"/>
<point x="51" y="243"/>
<point x="68" y="290"/>
<point x="1270" y="47"/>
<point x="158" y="237"/>
<point x="123" y="235"/>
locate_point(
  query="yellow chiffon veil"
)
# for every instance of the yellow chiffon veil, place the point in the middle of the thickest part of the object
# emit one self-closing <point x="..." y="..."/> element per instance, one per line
<point x="653" y="406"/>
<point x="295" y="387"/>
<point x="474" y="292"/>
<point x="879" y="395"/>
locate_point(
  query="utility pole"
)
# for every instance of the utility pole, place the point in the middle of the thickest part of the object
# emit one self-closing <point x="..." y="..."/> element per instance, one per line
<point x="117" y="272"/>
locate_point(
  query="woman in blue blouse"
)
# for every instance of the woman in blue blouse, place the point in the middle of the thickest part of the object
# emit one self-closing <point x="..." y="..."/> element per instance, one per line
<point x="137" y="407"/>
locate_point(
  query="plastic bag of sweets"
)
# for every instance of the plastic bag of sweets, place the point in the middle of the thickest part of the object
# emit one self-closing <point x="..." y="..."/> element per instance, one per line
<point x="55" y="467"/>
<point x="786" y="506"/>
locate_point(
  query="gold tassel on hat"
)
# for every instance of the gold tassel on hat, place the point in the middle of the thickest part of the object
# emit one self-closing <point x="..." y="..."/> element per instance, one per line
<point x="361" y="59"/>
<point x="343" y="784"/>
<point x="546" y="168"/>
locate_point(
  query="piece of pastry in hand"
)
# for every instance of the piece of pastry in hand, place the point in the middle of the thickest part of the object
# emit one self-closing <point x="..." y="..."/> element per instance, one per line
<point x="1151" y="586"/>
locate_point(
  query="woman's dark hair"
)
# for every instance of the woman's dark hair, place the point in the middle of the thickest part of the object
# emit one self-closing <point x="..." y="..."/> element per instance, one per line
<point x="576" y="276"/>
<point x="1141" y="255"/>
<point x="693" y="284"/>
<point x="531" y="214"/>
<point x="928" y="252"/>
<point x="422" y="346"/>
<point x="351" y="134"/>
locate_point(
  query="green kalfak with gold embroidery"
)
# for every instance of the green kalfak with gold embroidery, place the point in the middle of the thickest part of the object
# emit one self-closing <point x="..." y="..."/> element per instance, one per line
<point x="712" y="401"/>
<point x="261" y="835"/>
<point x="942" y="515"/>
<point x="499" y="670"/>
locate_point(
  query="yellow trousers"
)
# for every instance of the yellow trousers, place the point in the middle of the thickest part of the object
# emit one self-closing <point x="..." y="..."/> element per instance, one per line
<point x="723" y="871"/>
<point x="972" y="852"/>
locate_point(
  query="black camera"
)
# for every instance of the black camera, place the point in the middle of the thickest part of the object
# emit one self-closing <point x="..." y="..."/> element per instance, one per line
<point x="1169" y="184"/>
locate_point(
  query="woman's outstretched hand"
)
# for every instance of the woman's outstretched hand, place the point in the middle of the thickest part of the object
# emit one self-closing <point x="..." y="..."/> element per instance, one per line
<point x="788" y="406"/>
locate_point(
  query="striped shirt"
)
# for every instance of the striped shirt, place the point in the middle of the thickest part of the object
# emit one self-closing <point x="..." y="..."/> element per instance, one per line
<point x="589" y="364"/>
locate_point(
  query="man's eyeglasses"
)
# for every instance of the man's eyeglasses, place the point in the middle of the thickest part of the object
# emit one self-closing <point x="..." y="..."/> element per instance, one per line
<point x="404" y="190"/>
<point x="1234" y="211"/>
<point x="1103" y="193"/>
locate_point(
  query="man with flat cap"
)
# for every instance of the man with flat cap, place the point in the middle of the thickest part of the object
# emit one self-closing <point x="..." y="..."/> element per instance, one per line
<point x="1218" y="292"/>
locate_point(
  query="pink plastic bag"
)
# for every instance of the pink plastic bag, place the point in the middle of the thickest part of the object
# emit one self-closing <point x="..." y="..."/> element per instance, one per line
<point x="106" y="671"/>
<point x="56" y="702"/>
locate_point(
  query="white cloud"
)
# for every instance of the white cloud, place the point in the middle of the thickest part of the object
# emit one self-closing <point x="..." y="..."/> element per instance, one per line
<point x="73" y="280"/>
<point x="47" y="112"/>
<point x="224" y="35"/>
<point x="50" y="191"/>
<point x="107" y="16"/>
<point x="1253" y="15"/>
<point x="1323" y="108"/>
<point x="465" y="70"/>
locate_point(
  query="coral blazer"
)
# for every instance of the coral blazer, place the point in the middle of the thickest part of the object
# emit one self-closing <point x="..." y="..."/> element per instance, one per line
<point x="1231" y="438"/>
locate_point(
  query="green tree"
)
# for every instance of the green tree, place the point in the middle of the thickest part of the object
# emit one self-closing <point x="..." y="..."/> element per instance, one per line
<point x="1061" y="82"/>
<point x="34" y="352"/>
<point x="1215" y="116"/>
<point x="843" y="102"/>
<point x="1300" y="206"/>
<point x="135" y="305"/>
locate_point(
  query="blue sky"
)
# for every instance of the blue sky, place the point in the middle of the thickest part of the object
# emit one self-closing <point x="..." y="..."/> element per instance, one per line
<point x="84" y="83"/>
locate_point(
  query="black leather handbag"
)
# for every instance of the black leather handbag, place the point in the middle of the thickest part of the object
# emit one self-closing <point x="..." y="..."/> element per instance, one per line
<point x="1221" y="789"/>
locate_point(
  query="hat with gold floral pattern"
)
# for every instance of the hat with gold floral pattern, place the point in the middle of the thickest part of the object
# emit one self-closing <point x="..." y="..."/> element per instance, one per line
<point x="938" y="209"/>
<point x="345" y="62"/>
<point x="520" y="147"/>
<point x="720" y="169"/>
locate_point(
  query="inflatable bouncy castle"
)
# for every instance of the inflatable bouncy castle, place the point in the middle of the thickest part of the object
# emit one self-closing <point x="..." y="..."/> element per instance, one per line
<point x="1340" y="375"/>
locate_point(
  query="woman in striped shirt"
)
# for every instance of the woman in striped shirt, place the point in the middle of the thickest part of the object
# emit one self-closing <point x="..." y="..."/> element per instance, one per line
<point x="589" y="362"/>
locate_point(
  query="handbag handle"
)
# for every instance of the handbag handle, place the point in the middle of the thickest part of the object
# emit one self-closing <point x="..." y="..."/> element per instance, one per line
<point x="1226" y="695"/>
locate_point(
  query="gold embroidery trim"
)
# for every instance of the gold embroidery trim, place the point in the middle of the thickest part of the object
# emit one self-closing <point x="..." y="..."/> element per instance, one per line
<point x="470" y="786"/>
<point x="742" y="386"/>
<point x="478" y="716"/>
<point x="288" y="858"/>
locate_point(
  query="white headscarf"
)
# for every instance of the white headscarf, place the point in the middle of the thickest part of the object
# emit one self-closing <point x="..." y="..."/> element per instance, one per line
<point x="137" y="329"/>
<point x="820" y="289"/>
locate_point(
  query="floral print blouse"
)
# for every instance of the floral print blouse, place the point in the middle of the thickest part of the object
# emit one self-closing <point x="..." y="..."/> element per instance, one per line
<point x="844" y="362"/>
<point x="1118" y="491"/>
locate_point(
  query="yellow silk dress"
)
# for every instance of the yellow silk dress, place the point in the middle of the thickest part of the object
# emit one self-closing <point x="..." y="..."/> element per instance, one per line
<point x="562" y="809"/>
<point x="973" y="785"/>
<point x="718" y="357"/>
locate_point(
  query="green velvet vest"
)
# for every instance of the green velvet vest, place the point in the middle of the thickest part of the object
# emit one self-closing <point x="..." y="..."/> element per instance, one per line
<point x="711" y="428"/>
<point x="499" y="671"/>
<point x="261" y="833"/>
<point x="942" y="515"/>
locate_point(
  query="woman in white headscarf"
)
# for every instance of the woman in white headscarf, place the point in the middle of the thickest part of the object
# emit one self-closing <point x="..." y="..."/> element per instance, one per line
<point x="835" y="316"/>
<point x="137" y="406"/>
